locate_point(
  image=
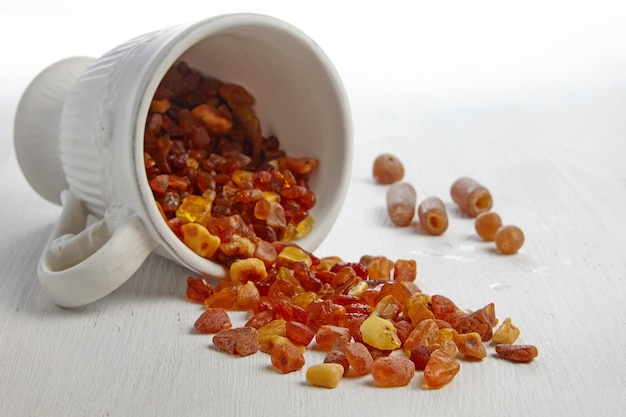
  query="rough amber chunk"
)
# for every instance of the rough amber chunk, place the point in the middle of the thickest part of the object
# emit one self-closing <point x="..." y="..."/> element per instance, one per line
<point x="425" y="334"/>
<point x="212" y="320"/>
<point x="359" y="357"/>
<point x="299" y="332"/>
<point x="440" y="369"/>
<point x="405" y="270"/>
<point x="195" y="209"/>
<point x="326" y="336"/>
<point x="480" y="321"/>
<point x="198" y="289"/>
<point x="517" y="353"/>
<point x="339" y="357"/>
<point x="287" y="358"/>
<point x="239" y="341"/>
<point x="471" y="345"/>
<point x="393" y="371"/>
<point x="507" y="333"/>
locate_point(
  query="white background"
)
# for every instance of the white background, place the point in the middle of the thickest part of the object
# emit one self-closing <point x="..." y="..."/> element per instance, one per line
<point x="528" y="97"/>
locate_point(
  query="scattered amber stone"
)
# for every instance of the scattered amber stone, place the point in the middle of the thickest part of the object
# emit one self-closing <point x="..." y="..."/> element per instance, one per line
<point x="405" y="270"/>
<point x="287" y="358"/>
<point x="359" y="357"/>
<point x="517" y="353"/>
<point x="339" y="357"/>
<point x="326" y="336"/>
<point x="507" y="333"/>
<point x="299" y="332"/>
<point x="424" y="334"/>
<point x="471" y="345"/>
<point x="480" y="321"/>
<point x="239" y="341"/>
<point x="420" y="355"/>
<point x="440" y="369"/>
<point x="325" y="375"/>
<point x="212" y="320"/>
<point x="393" y="371"/>
<point x="198" y="289"/>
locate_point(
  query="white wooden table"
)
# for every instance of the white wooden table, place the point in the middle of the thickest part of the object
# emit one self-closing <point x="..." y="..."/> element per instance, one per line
<point x="531" y="102"/>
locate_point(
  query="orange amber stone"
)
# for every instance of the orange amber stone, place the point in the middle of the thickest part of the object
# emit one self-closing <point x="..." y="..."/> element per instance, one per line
<point x="287" y="358"/>
<point x="299" y="332"/>
<point x="405" y="270"/>
<point x="425" y="334"/>
<point x="359" y="357"/>
<point x="212" y="320"/>
<point x="393" y="371"/>
<point x="327" y="335"/>
<point x="440" y="369"/>
<point x="198" y="289"/>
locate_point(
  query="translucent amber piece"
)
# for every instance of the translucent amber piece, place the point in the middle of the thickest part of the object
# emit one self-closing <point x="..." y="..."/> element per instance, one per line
<point x="275" y="327"/>
<point x="471" y="345"/>
<point x="359" y="357"/>
<point x="250" y="269"/>
<point x="299" y="332"/>
<point x="380" y="333"/>
<point x="195" y="209"/>
<point x="247" y="294"/>
<point x="327" y="335"/>
<point x="425" y="334"/>
<point x="293" y="254"/>
<point x="507" y="333"/>
<point x="304" y="227"/>
<point x="197" y="238"/>
<point x="405" y="270"/>
<point x="325" y="375"/>
<point x="212" y="320"/>
<point x="269" y="341"/>
<point x="287" y="358"/>
<point x="440" y="369"/>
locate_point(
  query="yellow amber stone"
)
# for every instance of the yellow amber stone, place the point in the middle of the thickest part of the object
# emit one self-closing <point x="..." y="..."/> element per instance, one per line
<point x="380" y="333"/>
<point x="271" y="196"/>
<point x="197" y="238"/>
<point x="195" y="209"/>
<point x="304" y="227"/>
<point x="293" y="254"/>
<point x="325" y="375"/>
<point x="244" y="270"/>
<point x="269" y="341"/>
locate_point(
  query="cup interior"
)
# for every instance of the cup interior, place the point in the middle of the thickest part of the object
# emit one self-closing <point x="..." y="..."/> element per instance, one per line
<point x="299" y="98"/>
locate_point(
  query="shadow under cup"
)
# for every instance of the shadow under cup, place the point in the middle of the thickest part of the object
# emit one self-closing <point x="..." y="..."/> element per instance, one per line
<point x="299" y="98"/>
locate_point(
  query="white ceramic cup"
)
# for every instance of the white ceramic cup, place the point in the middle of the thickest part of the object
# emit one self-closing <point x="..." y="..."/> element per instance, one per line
<point x="79" y="142"/>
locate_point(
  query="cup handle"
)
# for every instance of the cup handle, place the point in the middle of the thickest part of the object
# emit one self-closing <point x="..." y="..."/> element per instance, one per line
<point x="82" y="263"/>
